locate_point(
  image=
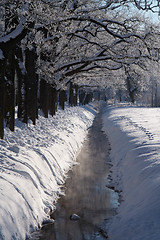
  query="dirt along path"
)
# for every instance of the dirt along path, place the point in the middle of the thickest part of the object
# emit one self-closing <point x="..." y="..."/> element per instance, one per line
<point x="87" y="201"/>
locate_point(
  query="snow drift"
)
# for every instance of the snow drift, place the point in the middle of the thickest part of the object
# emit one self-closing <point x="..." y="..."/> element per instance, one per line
<point x="134" y="134"/>
<point x="34" y="161"/>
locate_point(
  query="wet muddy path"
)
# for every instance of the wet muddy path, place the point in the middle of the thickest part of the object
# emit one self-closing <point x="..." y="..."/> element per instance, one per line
<point x="86" y="193"/>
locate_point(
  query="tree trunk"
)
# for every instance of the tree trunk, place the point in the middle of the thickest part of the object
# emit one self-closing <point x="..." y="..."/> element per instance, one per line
<point x="21" y="86"/>
<point x="44" y="97"/>
<point x="88" y="98"/>
<point x="32" y="84"/>
<point x="71" y="94"/>
<point x="62" y="98"/>
<point x="75" y="95"/>
<point x="130" y="91"/>
<point x="81" y="96"/>
<point x="53" y="101"/>
<point x="131" y="95"/>
<point x="10" y="91"/>
<point x="2" y="96"/>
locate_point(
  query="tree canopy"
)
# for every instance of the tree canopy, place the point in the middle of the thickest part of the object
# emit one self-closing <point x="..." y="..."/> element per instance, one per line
<point x="46" y="44"/>
<point x="76" y="36"/>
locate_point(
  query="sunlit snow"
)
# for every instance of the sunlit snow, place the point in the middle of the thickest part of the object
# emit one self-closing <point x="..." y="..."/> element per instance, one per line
<point x="134" y="134"/>
<point x="35" y="161"/>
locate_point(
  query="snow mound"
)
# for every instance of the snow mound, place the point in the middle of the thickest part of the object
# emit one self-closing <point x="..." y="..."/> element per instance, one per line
<point x="34" y="161"/>
<point x="134" y="134"/>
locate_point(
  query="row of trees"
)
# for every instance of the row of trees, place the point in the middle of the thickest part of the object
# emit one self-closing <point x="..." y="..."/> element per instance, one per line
<point x="47" y="44"/>
<point x="44" y="97"/>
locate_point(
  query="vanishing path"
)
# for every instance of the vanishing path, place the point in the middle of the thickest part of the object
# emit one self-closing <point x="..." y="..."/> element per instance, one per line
<point x="86" y="193"/>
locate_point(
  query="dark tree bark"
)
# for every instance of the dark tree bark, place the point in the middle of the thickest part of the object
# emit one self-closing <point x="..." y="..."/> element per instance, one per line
<point x="10" y="91"/>
<point x="44" y="97"/>
<point x="88" y="98"/>
<point x="62" y="98"/>
<point x="71" y="94"/>
<point x="7" y="45"/>
<point x="21" y="86"/>
<point x="75" y="95"/>
<point x="99" y="94"/>
<point x="32" y="84"/>
<point x="53" y="94"/>
<point x="11" y="40"/>
<point x="81" y="96"/>
<point x="2" y="96"/>
<point x="131" y="90"/>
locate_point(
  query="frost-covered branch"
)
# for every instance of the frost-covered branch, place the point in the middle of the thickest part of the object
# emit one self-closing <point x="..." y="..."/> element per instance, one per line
<point x="10" y="40"/>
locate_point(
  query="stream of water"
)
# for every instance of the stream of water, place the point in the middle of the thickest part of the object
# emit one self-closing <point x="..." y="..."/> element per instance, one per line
<point x="86" y="193"/>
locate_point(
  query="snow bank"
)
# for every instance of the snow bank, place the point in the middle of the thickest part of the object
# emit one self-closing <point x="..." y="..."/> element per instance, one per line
<point x="34" y="161"/>
<point x="134" y="134"/>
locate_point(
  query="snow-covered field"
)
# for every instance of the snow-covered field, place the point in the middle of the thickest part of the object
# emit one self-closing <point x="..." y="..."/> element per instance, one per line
<point x="134" y="134"/>
<point x="34" y="161"/>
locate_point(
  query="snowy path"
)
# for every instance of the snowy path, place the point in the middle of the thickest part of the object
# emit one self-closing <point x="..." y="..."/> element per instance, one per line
<point x="86" y="193"/>
<point x="134" y="134"/>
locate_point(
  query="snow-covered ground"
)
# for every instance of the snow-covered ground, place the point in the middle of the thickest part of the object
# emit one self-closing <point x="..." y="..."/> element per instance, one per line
<point x="34" y="161"/>
<point x="134" y="134"/>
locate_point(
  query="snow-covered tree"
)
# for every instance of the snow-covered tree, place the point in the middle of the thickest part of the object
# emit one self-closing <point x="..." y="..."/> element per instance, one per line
<point x="49" y="43"/>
